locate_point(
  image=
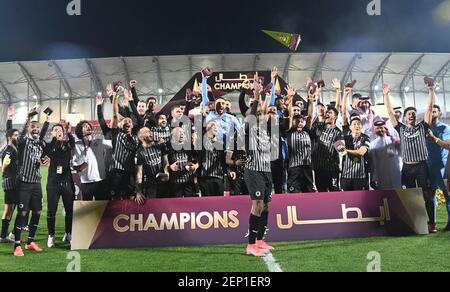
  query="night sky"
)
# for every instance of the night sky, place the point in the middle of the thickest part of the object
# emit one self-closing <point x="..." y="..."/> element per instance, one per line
<point x="41" y="29"/>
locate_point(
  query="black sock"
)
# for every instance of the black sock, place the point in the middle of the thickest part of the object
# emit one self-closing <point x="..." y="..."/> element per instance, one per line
<point x="51" y="225"/>
<point x="262" y="225"/>
<point x="5" y="226"/>
<point x="34" y="222"/>
<point x="27" y="220"/>
<point x="253" y="230"/>
<point x="68" y="221"/>
<point x="20" y="221"/>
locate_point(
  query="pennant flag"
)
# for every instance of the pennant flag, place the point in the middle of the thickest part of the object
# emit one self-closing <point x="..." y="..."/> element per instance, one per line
<point x="277" y="87"/>
<point x="196" y="88"/>
<point x="290" y="40"/>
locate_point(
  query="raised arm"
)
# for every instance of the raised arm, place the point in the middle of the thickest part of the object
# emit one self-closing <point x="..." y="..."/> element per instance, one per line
<point x="100" y="117"/>
<point x="290" y="95"/>
<point x="134" y="92"/>
<point x="389" y="108"/>
<point x="337" y="86"/>
<point x="115" y="119"/>
<point x="257" y="96"/>
<point x="274" y="75"/>
<point x="309" y="119"/>
<point x="205" y="99"/>
<point x="428" y="116"/>
<point x="11" y="114"/>
<point x="347" y="92"/>
<point x="128" y="95"/>
<point x="23" y="132"/>
<point x="45" y="127"/>
<point x="242" y="105"/>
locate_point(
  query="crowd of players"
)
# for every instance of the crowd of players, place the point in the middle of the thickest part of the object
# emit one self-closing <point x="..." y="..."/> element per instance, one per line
<point x="282" y="143"/>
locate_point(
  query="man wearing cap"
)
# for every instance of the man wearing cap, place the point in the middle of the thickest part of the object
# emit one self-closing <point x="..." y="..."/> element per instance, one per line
<point x="438" y="159"/>
<point x="385" y="154"/>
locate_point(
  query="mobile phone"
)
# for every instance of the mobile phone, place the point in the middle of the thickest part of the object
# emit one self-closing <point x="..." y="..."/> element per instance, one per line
<point x="48" y="111"/>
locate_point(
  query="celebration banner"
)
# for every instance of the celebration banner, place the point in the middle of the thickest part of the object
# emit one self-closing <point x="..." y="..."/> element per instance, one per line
<point x="223" y="83"/>
<point x="224" y="220"/>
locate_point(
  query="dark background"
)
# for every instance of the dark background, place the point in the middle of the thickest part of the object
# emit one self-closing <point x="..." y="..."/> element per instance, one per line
<point x="41" y="29"/>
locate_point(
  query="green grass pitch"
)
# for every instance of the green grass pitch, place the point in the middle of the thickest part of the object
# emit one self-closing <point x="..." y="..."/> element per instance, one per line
<point x="418" y="253"/>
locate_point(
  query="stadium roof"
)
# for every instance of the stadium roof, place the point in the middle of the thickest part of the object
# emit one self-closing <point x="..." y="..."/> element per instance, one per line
<point x="82" y="78"/>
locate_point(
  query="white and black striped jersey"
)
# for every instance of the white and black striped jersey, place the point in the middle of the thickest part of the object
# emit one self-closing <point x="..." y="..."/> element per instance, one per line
<point x="325" y="156"/>
<point x="299" y="148"/>
<point x="124" y="150"/>
<point x="213" y="159"/>
<point x="183" y="158"/>
<point x="161" y="133"/>
<point x="258" y="148"/>
<point x="353" y="166"/>
<point x="9" y="156"/>
<point x="150" y="158"/>
<point x="413" y="142"/>
<point x="30" y="154"/>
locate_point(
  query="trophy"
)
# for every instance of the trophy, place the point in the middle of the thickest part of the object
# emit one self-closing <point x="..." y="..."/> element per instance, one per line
<point x="320" y="84"/>
<point x="312" y="88"/>
<point x="351" y="84"/>
<point x="207" y="72"/>
<point x="429" y="82"/>
<point x="117" y="86"/>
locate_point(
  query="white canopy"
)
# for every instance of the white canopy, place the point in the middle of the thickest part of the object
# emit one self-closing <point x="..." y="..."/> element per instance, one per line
<point x="68" y="86"/>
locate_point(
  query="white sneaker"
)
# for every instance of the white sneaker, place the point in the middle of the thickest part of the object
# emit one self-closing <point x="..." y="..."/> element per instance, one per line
<point x="4" y="240"/>
<point x="11" y="237"/>
<point x="67" y="238"/>
<point x="51" y="241"/>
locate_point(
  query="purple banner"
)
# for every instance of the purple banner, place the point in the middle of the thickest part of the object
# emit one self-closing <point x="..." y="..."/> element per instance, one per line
<point x="224" y="220"/>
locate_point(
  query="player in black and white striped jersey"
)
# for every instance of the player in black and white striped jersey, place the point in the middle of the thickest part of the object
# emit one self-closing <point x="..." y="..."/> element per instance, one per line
<point x="162" y="130"/>
<point x="9" y="160"/>
<point x="213" y="167"/>
<point x="355" y="146"/>
<point x="325" y="156"/>
<point x="151" y="159"/>
<point x="257" y="175"/>
<point x="300" y="172"/>
<point x="182" y="165"/>
<point x="30" y="147"/>
<point x="413" y="146"/>
<point x="125" y="145"/>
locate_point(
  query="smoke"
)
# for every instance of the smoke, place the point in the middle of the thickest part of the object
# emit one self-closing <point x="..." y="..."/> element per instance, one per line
<point x="441" y="14"/>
